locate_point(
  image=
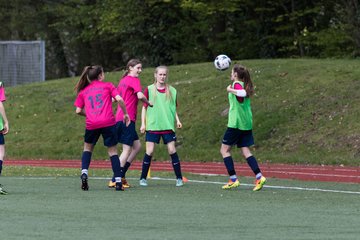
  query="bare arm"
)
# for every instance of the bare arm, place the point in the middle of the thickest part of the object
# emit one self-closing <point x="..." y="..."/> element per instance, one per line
<point x="143" y="98"/>
<point x="80" y="111"/>
<point x="143" y="120"/>
<point x="237" y="92"/>
<point x="178" y="123"/>
<point x="121" y="102"/>
<point x="6" y="122"/>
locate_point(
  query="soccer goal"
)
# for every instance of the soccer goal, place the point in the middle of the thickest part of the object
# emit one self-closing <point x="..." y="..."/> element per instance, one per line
<point x="22" y="62"/>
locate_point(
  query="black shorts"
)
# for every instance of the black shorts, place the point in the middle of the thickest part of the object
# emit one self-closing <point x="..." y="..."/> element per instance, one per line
<point x="126" y="135"/>
<point x="2" y="139"/>
<point x="155" y="138"/>
<point x="108" y="134"/>
<point x="241" y="138"/>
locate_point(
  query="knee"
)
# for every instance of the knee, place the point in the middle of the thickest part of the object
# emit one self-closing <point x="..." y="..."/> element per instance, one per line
<point x="149" y="152"/>
<point x="112" y="151"/>
<point x="224" y="151"/>
<point x="221" y="151"/>
<point x="88" y="147"/>
<point x="246" y="152"/>
<point x="171" y="151"/>
<point x="137" y="148"/>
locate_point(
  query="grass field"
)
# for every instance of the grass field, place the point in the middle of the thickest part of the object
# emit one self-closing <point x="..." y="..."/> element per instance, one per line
<point x="54" y="207"/>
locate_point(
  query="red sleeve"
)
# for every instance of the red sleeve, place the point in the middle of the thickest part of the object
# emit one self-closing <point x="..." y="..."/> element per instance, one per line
<point x="2" y="94"/>
<point x="146" y="93"/>
<point x="238" y="86"/>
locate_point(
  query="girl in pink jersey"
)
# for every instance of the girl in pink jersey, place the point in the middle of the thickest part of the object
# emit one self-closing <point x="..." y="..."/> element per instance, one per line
<point x="94" y="101"/>
<point x="131" y="91"/>
<point x="4" y="129"/>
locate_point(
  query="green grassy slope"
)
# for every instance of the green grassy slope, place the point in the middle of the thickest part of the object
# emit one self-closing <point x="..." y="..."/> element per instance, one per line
<point x="305" y="111"/>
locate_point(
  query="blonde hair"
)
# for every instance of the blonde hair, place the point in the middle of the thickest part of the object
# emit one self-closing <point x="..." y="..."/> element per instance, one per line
<point x="167" y="86"/>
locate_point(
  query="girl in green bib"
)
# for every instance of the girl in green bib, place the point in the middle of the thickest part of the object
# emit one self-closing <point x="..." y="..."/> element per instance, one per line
<point x="240" y="124"/>
<point x="159" y="122"/>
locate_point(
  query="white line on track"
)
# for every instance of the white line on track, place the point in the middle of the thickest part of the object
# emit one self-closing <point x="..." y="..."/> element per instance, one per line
<point x="211" y="182"/>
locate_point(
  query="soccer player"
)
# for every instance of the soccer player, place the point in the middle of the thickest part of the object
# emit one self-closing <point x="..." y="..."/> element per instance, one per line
<point x="131" y="91"/>
<point x="240" y="125"/>
<point x="159" y="122"/>
<point x="4" y="129"/>
<point x="94" y="101"/>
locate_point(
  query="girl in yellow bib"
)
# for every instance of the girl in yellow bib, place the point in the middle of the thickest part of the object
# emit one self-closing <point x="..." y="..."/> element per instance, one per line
<point x="159" y="122"/>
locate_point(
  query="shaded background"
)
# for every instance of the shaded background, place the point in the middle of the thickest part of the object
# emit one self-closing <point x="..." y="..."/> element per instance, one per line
<point x="108" y="32"/>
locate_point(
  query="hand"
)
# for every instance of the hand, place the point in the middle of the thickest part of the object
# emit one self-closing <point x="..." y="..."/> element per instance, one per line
<point x="142" y="128"/>
<point x="127" y="120"/>
<point x="150" y="104"/>
<point x="229" y="88"/>
<point x="178" y="124"/>
<point x="5" y="129"/>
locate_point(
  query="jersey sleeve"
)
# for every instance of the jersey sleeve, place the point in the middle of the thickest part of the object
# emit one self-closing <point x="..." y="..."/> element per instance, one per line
<point x="114" y="91"/>
<point x="238" y="86"/>
<point x="79" y="101"/>
<point x="146" y="93"/>
<point x="2" y="93"/>
<point x="136" y="85"/>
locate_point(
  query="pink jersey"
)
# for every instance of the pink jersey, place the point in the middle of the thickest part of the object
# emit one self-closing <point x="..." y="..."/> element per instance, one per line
<point x="128" y="88"/>
<point x="96" y="99"/>
<point x="2" y="94"/>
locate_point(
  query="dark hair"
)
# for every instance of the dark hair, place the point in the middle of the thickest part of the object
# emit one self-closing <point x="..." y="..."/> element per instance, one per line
<point x="244" y="75"/>
<point x="89" y="74"/>
<point x="131" y="63"/>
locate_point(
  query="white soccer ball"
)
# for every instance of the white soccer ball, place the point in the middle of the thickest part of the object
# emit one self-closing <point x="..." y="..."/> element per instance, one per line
<point x="222" y="62"/>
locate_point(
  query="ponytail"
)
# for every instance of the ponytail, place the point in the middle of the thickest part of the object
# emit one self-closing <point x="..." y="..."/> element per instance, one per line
<point x="244" y="75"/>
<point x="89" y="74"/>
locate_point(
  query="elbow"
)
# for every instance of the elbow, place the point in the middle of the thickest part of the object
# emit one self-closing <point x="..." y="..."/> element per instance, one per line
<point x="78" y="110"/>
<point x="140" y="95"/>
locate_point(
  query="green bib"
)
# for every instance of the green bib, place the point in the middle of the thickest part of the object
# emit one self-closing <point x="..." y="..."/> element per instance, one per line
<point x="240" y="115"/>
<point x="162" y="115"/>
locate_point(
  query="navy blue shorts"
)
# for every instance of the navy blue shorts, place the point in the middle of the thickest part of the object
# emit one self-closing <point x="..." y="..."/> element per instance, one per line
<point x="2" y="139"/>
<point x="241" y="138"/>
<point x="126" y="135"/>
<point x="155" y="138"/>
<point x="108" y="134"/>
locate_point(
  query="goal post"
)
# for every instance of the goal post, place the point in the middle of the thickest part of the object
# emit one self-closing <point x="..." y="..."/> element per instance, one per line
<point x="22" y="62"/>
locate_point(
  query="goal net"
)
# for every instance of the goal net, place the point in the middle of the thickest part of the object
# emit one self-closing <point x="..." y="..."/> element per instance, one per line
<point x="22" y="62"/>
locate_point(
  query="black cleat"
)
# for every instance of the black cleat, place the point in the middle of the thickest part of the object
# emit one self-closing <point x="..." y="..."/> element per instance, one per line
<point x="119" y="186"/>
<point x="84" y="182"/>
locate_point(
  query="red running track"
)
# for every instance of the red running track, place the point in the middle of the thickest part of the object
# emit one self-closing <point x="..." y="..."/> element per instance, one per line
<point x="285" y="171"/>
